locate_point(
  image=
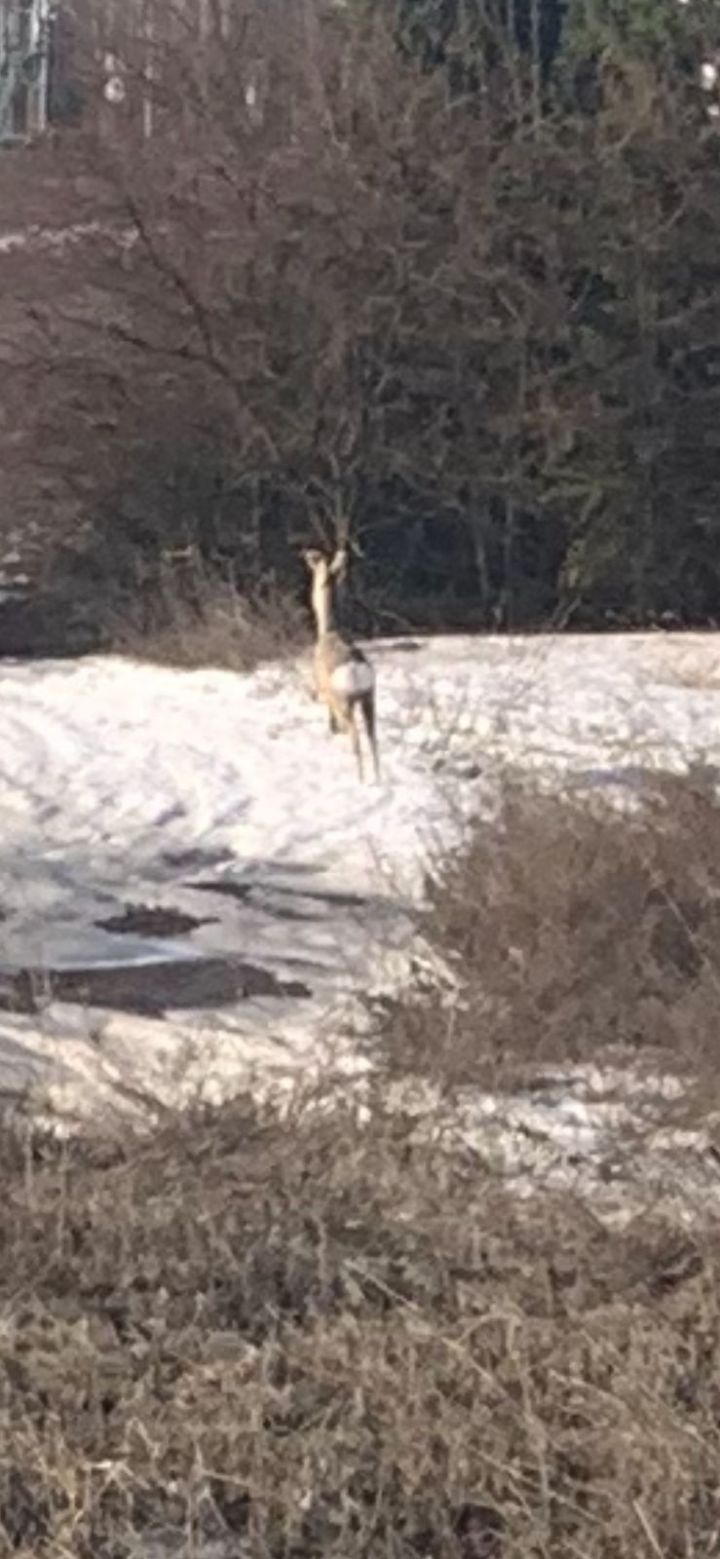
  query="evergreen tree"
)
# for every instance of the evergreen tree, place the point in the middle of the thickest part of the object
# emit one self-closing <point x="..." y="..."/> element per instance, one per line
<point x="617" y="32"/>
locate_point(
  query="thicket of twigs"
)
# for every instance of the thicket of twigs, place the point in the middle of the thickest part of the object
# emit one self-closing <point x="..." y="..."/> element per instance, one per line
<point x="464" y="309"/>
<point x="576" y="932"/>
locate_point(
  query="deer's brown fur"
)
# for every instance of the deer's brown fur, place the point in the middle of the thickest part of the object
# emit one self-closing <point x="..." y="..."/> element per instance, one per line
<point x="344" y="677"/>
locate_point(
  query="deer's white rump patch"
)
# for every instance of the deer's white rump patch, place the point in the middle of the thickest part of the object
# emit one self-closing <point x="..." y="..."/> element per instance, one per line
<point x="352" y="678"/>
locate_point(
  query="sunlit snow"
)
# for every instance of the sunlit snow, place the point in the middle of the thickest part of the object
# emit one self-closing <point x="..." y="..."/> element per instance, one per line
<point x="223" y="796"/>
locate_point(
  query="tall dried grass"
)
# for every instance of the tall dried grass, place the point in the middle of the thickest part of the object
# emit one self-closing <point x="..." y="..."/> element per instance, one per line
<point x="575" y="932"/>
<point x="324" y="1335"/>
<point x="308" y="1337"/>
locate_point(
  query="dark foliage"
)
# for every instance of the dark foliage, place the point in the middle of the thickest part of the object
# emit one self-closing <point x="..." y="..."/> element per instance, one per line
<point x="419" y="292"/>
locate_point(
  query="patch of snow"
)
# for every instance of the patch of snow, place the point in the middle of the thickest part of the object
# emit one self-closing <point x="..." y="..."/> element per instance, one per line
<point x="222" y="796"/>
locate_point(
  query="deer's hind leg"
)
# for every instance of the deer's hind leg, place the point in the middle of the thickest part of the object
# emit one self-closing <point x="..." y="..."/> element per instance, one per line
<point x="343" y="715"/>
<point x="356" y="743"/>
<point x="367" y="705"/>
<point x="342" y="720"/>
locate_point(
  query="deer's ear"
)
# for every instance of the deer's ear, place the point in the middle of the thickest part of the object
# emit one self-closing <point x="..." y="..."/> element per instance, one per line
<point x="339" y="562"/>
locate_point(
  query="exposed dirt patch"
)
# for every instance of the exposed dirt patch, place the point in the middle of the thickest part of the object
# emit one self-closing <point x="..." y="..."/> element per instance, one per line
<point x="149" y="920"/>
<point x="151" y="989"/>
<point x="194" y="859"/>
<point x="242" y="891"/>
<point x="227" y="890"/>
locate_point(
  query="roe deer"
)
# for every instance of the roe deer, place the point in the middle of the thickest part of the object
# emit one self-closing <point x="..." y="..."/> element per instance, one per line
<point x="344" y="677"/>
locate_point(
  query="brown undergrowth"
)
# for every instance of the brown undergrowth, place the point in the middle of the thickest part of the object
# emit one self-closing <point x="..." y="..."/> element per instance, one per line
<point x="263" y="1337"/>
<point x="324" y="1333"/>
<point x="190" y="616"/>
<point x="573" y="931"/>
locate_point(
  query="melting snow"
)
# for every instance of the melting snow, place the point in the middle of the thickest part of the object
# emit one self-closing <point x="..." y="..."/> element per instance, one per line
<point x="222" y="796"/>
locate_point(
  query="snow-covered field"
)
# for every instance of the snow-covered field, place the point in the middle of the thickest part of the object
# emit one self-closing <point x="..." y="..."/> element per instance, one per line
<point x="221" y="796"/>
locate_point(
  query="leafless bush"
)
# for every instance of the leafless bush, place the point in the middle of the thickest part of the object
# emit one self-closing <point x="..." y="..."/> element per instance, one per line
<point x="363" y="286"/>
<point x="188" y="615"/>
<point x="307" y="1337"/>
<point x="574" y="931"/>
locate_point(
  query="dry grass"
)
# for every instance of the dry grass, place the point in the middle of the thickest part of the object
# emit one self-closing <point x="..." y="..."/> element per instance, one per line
<point x="329" y="1337"/>
<point x="309" y="1338"/>
<point x="575" y="933"/>
<point x="192" y="617"/>
<point x="313" y="1338"/>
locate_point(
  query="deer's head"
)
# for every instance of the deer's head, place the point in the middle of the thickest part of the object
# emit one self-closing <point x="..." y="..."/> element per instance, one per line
<point x="326" y="567"/>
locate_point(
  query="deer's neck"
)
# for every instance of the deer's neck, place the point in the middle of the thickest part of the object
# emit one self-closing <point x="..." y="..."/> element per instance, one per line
<point x="323" y="609"/>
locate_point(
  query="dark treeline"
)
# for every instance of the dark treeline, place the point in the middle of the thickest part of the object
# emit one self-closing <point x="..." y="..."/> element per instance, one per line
<point x="446" y="276"/>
